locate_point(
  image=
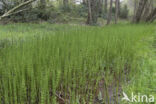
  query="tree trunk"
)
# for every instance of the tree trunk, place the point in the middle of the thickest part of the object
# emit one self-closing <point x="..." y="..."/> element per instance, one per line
<point x="152" y="16"/>
<point x="105" y="7"/>
<point x="135" y="7"/>
<point x="89" y="19"/>
<point x="93" y="11"/>
<point x="119" y="7"/>
<point x="100" y="8"/>
<point x="147" y="10"/>
<point x="116" y="10"/>
<point x="152" y="4"/>
<point x="139" y="11"/>
<point x="109" y="18"/>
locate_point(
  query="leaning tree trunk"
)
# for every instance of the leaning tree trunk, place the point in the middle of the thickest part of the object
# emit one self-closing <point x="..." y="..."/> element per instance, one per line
<point x="152" y="19"/>
<point x="148" y="8"/>
<point x="93" y="11"/>
<point x="152" y="16"/>
<point x="16" y="10"/>
<point x="139" y="11"/>
<point x="109" y="18"/>
<point x="116" y="10"/>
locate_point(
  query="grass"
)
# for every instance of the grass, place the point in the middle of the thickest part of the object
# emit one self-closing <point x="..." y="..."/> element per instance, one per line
<point x="50" y="64"/>
<point x="143" y="83"/>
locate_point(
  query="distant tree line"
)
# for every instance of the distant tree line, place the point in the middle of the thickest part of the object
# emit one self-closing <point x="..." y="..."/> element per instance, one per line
<point x="61" y="10"/>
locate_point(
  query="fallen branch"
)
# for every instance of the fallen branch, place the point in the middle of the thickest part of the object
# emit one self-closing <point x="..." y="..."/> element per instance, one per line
<point x="12" y="11"/>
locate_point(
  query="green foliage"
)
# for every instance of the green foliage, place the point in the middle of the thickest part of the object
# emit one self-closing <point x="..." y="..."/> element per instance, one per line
<point x="124" y="12"/>
<point x="46" y="61"/>
<point x="65" y="8"/>
<point x="82" y="10"/>
<point x="113" y="9"/>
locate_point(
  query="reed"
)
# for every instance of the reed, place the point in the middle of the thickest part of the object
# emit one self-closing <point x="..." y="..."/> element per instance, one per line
<point x="49" y="64"/>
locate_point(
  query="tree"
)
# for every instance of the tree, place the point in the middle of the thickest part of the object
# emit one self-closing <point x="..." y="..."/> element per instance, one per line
<point x="148" y="8"/>
<point x="119" y="7"/>
<point x="105" y="7"/>
<point x="93" y="11"/>
<point x="100" y="7"/>
<point x="135" y="7"/>
<point x="139" y="11"/>
<point x="15" y="9"/>
<point x="89" y="19"/>
<point x="116" y="10"/>
<point x="152" y="16"/>
<point x="109" y="18"/>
